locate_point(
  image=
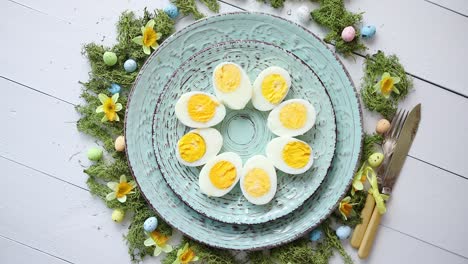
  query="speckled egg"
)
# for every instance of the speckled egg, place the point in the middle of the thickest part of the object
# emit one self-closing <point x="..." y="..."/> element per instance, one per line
<point x="110" y="58"/>
<point x="315" y="235"/>
<point x="368" y="31"/>
<point x="118" y="215"/>
<point x="303" y="14"/>
<point x="382" y="126"/>
<point x="150" y="224"/>
<point x="171" y="10"/>
<point x="115" y="88"/>
<point x="120" y="143"/>
<point x="130" y="65"/>
<point x="375" y="159"/>
<point x="94" y="154"/>
<point x="348" y="34"/>
<point x="343" y="232"/>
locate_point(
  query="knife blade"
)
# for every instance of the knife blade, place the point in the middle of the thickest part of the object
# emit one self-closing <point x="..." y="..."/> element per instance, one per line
<point x="403" y="144"/>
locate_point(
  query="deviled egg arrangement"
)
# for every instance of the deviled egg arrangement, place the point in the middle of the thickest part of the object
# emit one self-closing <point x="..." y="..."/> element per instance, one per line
<point x="233" y="89"/>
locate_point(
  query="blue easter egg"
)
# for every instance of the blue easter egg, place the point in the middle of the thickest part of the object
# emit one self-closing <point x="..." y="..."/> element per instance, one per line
<point x="150" y="224"/>
<point x="343" y="232"/>
<point x="315" y="235"/>
<point x="130" y="65"/>
<point x="368" y="31"/>
<point x="171" y="10"/>
<point x="115" y="88"/>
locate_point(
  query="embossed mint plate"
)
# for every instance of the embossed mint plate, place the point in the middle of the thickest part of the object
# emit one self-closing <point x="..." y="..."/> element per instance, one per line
<point x="157" y="71"/>
<point x="244" y="132"/>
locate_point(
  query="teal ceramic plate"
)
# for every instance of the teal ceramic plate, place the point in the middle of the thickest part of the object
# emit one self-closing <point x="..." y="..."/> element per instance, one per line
<point x="244" y="132"/>
<point x="169" y="57"/>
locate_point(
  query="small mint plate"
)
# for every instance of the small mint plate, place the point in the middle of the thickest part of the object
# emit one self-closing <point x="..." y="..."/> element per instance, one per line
<point x="244" y="132"/>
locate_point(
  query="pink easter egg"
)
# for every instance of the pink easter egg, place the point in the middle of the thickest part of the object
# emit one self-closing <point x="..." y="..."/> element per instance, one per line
<point x="348" y="34"/>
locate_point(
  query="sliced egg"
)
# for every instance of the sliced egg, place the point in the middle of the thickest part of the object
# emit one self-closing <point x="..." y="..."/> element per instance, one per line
<point x="220" y="174"/>
<point x="198" y="146"/>
<point x="258" y="181"/>
<point x="290" y="155"/>
<point x="270" y="88"/>
<point x="292" y="118"/>
<point x="232" y="85"/>
<point x="199" y="110"/>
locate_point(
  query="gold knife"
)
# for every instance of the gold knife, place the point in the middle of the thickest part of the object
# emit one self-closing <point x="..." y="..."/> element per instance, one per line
<point x="392" y="172"/>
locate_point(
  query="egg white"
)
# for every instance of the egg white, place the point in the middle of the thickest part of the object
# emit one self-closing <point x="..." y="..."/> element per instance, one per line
<point x="274" y="152"/>
<point x="258" y="101"/>
<point x="260" y="162"/>
<point x="239" y="98"/>
<point x="181" y="111"/>
<point x="206" y="186"/>
<point x="213" y="141"/>
<point x="277" y="128"/>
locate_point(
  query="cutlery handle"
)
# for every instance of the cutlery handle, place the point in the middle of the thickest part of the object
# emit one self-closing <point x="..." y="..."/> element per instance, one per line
<point x="369" y="235"/>
<point x="360" y="229"/>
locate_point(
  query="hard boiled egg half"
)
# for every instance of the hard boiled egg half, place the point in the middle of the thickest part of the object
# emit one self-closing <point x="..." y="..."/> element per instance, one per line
<point x="270" y="88"/>
<point x="198" y="146"/>
<point x="199" y="110"/>
<point x="232" y="85"/>
<point x="290" y="155"/>
<point x="291" y="118"/>
<point x="258" y="181"/>
<point x="220" y="174"/>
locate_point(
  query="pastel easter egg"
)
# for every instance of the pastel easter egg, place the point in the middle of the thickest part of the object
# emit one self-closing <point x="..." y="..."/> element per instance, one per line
<point x="94" y="154"/>
<point x="110" y="58"/>
<point x="115" y="88"/>
<point x="120" y="143"/>
<point x="171" y="10"/>
<point x="343" y="232"/>
<point x="368" y="31"/>
<point x="348" y="34"/>
<point x="315" y="235"/>
<point x="382" y="126"/>
<point x="150" y="224"/>
<point x="118" y="215"/>
<point x="130" y="65"/>
<point x="375" y="159"/>
<point x="303" y="14"/>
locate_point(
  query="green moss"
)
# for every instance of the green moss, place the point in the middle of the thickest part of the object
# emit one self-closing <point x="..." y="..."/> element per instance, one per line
<point x="206" y="254"/>
<point x="335" y="242"/>
<point x="188" y="7"/>
<point x="257" y="257"/>
<point x="375" y="66"/>
<point x="333" y="15"/>
<point x="213" y="5"/>
<point x="368" y="147"/>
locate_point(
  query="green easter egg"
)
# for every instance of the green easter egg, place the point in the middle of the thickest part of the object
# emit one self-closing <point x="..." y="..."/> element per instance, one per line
<point x="118" y="215"/>
<point x="110" y="58"/>
<point x="94" y="154"/>
<point x="375" y="159"/>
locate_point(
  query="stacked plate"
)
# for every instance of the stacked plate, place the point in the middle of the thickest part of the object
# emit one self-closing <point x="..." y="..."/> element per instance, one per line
<point x="185" y="62"/>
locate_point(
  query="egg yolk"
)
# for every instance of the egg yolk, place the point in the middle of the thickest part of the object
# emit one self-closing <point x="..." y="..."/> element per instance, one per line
<point x="274" y="88"/>
<point x="228" y="78"/>
<point x="257" y="182"/>
<point x="293" y="115"/>
<point x="296" y="154"/>
<point x="223" y="174"/>
<point x="201" y="108"/>
<point x="192" y="147"/>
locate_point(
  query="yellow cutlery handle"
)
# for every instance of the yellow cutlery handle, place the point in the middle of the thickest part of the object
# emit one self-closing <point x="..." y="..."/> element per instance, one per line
<point x="360" y="229"/>
<point x="369" y="235"/>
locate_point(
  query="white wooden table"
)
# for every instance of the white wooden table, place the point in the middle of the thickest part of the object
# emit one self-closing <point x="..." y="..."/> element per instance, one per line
<point x="47" y="214"/>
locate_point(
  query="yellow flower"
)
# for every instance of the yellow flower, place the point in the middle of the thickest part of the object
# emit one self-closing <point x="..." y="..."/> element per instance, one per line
<point x="120" y="190"/>
<point x="185" y="255"/>
<point x="346" y="208"/>
<point x="159" y="241"/>
<point x="149" y="38"/>
<point x="387" y="84"/>
<point x="110" y="107"/>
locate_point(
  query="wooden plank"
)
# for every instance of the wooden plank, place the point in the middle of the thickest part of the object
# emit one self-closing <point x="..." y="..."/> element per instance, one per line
<point x="427" y="46"/>
<point x="15" y="253"/>
<point x="459" y="7"/>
